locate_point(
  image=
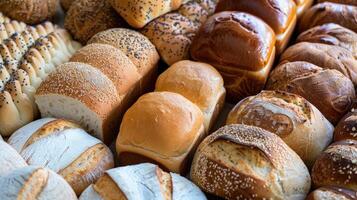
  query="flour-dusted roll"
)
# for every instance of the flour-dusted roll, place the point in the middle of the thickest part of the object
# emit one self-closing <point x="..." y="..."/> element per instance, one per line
<point x="163" y="128"/>
<point x="64" y="148"/>
<point x="10" y="159"/>
<point x="85" y="18"/>
<point x="331" y="192"/>
<point x="302" y="6"/>
<point x="34" y="182"/>
<point x="140" y="12"/>
<point x="198" y="82"/>
<point x="332" y="34"/>
<point x="241" y="47"/>
<point x="323" y="13"/>
<point x="289" y="116"/>
<point x="325" y="56"/>
<point x="142" y="181"/>
<point x="329" y="90"/>
<point x="337" y="166"/>
<point x="247" y="162"/>
<point x="347" y="127"/>
<point x="29" y="11"/>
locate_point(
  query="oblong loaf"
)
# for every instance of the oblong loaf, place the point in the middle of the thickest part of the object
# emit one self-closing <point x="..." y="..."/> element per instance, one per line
<point x="9" y="159"/>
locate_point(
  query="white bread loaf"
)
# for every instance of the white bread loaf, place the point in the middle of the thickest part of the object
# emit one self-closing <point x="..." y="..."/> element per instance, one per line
<point x="34" y="182"/>
<point x="198" y="82"/>
<point x="64" y="148"/>
<point x="9" y="159"/>
<point x="142" y="181"/>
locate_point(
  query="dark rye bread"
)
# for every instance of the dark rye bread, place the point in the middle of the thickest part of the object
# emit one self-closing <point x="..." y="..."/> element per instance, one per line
<point x="239" y="161"/>
<point x="347" y="127"/>
<point x="331" y="192"/>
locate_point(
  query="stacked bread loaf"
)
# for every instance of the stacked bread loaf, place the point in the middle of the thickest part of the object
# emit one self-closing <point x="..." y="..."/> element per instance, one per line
<point x="100" y="82"/>
<point x="27" y="55"/>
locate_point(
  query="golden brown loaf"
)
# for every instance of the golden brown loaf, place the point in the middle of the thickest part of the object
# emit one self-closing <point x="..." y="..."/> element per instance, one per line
<point x="66" y="4"/>
<point x="337" y="166"/>
<point x="302" y="127"/>
<point x="323" y="13"/>
<point x="247" y="162"/>
<point x="349" y="2"/>
<point x="241" y="47"/>
<point x="332" y="34"/>
<point x="302" y="6"/>
<point x="331" y="193"/>
<point x="347" y="127"/>
<point x="330" y="91"/>
<point x="34" y="182"/>
<point x="85" y="18"/>
<point x="140" y="12"/>
<point x="198" y="82"/>
<point x="280" y="15"/>
<point x="325" y="56"/>
<point x="172" y="34"/>
<point x="64" y="148"/>
<point x="161" y="127"/>
<point x="9" y="159"/>
<point x="29" y="11"/>
<point x="142" y="181"/>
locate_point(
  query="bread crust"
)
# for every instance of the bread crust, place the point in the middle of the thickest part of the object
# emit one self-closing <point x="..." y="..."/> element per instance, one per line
<point x="348" y="2"/>
<point x="346" y="127"/>
<point x="331" y="192"/>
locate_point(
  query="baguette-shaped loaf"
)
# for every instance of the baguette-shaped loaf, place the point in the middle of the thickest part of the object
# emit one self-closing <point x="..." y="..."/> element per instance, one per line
<point x="34" y="182"/>
<point x="10" y="159"/>
<point x="142" y="181"/>
<point x="64" y="148"/>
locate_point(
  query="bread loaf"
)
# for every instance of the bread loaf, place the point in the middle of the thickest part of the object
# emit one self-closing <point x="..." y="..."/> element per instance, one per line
<point x="65" y="4"/>
<point x="34" y="182"/>
<point x="323" y="13"/>
<point x="246" y="162"/>
<point x="241" y="47"/>
<point x="29" y="11"/>
<point x="140" y="12"/>
<point x="348" y="2"/>
<point x="64" y="148"/>
<point x="337" y="166"/>
<point x="3" y="18"/>
<point x="302" y="6"/>
<point x="280" y="15"/>
<point x="85" y="18"/>
<point x="302" y="127"/>
<point x="330" y="91"/>
<point x="9" y="28"/>
<point x="162" y="128"/>
<point x="332" y="34"/>
<point x="325" y="56"/>
<point x="347" y="127"/>
<point x="198" y="82"/>
<point x="172" y="34"/>
<point x="331" y="192"/>
<point x="9" y="159"/>
<point x="142" y="181"/>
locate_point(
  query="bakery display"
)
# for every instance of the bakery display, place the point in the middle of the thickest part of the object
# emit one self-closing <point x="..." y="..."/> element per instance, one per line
<point x="331" y="192"/>
<point x="336" y="166"/>
<point x="301" y="126"/>
<point x="85" y="18"/>
<point x="249" y="162"/>
<point x="29" y="11"/>
<point x="142" y="181"/>
<point x="172" y="34"/>
<point x="323" y="13"/>
<point x="327" y="89"/>
<point x="65" y="148"/>
<point x="241" y="47"/>
<point x="347" y="127"/>
<point x="348" y="2"/>
<point x="138" y="13"/>
<point x="9" y="159"/>
<point x="34" y="182"/>
<point x="162" y="128"/>
<point x="198" y="82"/>
<point x="332" y="34"/>
<point x="302" y="6"/>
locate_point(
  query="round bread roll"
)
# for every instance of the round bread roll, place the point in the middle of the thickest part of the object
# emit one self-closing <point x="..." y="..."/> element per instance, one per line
<point x="64" y="148"/>
<point x="332" y="34"/>
<point x="66" y="4"/>
<point x="332" y="193"/>
<point x="198" y="82"/>
<point x="34" y="182"/>
<point x="142" y="181"/>
<point x="241" y="47"/>
<point x="337" y="166"/>
<point x="347" y="127"/>
<point x="85" y="18"/>
<point x="328" y="90"/>
<point x="9" y="159"/>
<point x="162" y="128"/>
<point x="247" y="162"/>
<point x="29" y="11"/>
<point x="291" y="117"/>
<point x="348" y="2"/>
